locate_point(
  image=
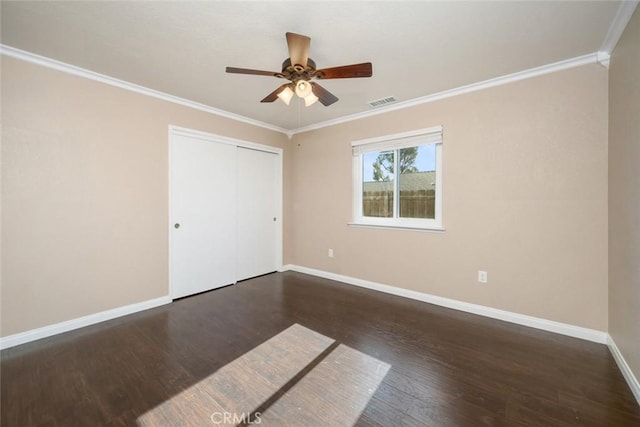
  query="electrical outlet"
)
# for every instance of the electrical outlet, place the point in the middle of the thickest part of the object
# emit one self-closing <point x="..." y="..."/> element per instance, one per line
<point x="330" y="253"/>
<point x="482" y="276"/>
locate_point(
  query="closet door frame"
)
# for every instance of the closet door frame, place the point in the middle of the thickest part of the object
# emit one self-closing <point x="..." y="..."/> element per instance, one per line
<point x="219" y="139"/>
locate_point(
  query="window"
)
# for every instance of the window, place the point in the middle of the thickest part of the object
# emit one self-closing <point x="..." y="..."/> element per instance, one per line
<point x="397" y="180"/>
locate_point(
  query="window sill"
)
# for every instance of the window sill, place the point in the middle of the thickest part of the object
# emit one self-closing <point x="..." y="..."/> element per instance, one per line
<point x="432" y="229"/>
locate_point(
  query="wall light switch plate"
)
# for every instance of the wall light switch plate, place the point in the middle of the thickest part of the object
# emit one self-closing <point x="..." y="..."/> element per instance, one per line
<point x="482" y="276"/>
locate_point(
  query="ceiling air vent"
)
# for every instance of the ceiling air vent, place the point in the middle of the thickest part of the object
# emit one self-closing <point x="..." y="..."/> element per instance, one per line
<point x="382" y="101"/>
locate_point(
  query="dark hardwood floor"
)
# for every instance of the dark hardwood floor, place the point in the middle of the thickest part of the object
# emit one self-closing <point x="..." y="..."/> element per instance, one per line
<point x="446" y="368"/>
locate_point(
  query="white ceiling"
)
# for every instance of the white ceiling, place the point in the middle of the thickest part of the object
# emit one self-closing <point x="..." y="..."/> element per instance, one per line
<point x="417" y="48"/>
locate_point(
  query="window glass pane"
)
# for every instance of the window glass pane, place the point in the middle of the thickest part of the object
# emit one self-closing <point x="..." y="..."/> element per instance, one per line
<point x="377" y="184"/>
<point x="417" y="181"/>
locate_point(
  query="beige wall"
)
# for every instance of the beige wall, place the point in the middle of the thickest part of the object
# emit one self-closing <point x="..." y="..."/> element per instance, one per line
<point x="525" y="198"/>
<point x="624" y="194"/>
<point x="85" y="193"/>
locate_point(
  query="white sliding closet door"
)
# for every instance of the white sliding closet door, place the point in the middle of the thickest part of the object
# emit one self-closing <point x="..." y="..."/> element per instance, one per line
<point x="203" y="215"/>
<point x="257" y="202"/>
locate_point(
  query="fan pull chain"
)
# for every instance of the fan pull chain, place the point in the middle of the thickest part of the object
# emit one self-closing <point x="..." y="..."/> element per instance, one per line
<point x="299" y="112"/>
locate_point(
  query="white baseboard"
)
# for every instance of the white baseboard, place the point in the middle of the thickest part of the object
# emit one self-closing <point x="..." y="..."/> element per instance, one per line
<point x="508" y="316"/>
<point x="69" y="325"/>
<point x="627" y="373"/>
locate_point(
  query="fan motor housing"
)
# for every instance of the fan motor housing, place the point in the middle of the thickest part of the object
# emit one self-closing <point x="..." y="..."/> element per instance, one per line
<point x="297" y="72"/>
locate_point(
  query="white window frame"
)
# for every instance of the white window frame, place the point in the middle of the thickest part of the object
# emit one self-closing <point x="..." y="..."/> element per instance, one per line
<point x="432" y="135"/>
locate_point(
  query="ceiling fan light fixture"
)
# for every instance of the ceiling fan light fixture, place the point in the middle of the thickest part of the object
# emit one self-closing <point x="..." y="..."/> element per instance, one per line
<point x="310" y="99"/>
<point x="303" y="88"/>
<point x="299" y="70"/>
<point x="285" y="95"/>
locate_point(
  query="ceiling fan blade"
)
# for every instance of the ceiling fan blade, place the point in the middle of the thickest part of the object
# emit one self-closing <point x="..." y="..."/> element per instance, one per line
<point x="254" y="72"/>
<point x="346" y="71"/>
<point x="298" y="49"/>
<point x="324" y="96"/>
<point x="274" y="95"/>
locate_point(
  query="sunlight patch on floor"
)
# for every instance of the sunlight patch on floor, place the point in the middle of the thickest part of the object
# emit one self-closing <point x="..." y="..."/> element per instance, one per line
<point x="267" y="386"/>
<point x="334" y="393"/>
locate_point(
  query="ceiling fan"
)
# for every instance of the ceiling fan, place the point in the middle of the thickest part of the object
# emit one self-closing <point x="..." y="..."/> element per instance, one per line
<point x="300" y="70"/>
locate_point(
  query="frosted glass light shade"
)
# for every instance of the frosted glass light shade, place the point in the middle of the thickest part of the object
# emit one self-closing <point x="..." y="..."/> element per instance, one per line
<point x="303" y="88"/>
<point x="310" y="99"/>
<point x="285" y="95"/>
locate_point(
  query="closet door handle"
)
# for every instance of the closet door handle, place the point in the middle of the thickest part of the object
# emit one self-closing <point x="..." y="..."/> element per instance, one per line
<point x="177" y="225"/>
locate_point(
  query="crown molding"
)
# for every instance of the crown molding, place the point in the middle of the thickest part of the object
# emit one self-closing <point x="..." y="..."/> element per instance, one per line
<point x="604" y="59"/>
<point x="601" y="57"/>
<point x="619" y="23"/>
<point x="91" y="75"/>
<point x="591" y="58"/>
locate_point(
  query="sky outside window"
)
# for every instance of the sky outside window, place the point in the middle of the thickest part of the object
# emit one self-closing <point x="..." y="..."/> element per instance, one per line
<point x="425" y="161"/>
